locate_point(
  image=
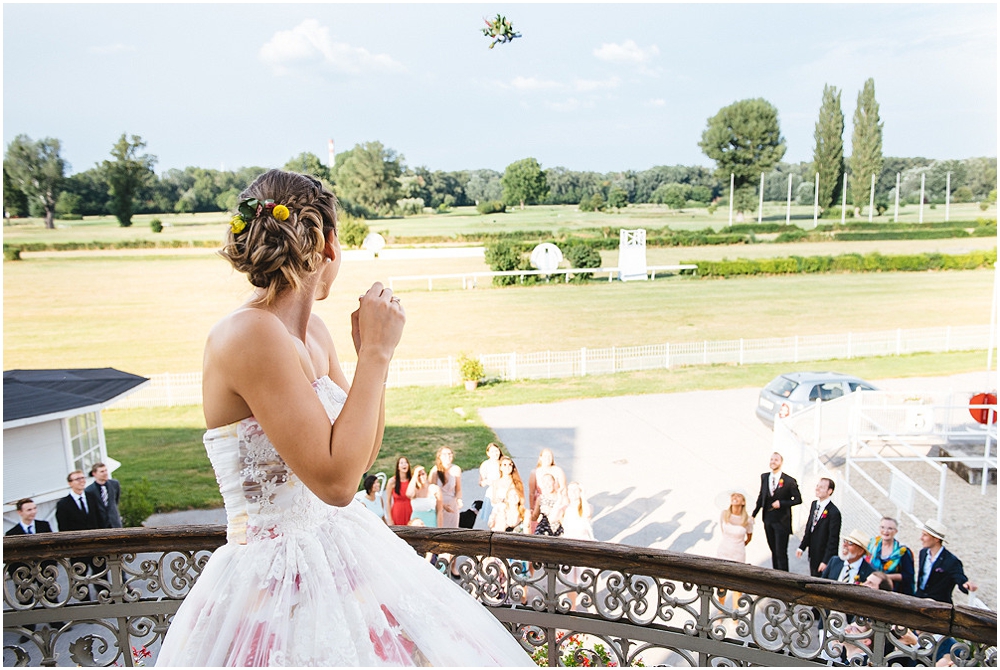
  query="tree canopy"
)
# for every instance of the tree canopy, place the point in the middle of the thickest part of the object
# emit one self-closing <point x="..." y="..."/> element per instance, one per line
<point x="744" y="139"/>
<point x="128" y="176"/>
<point x="828" y="156"/>
<point x="37" y="170"/>
<point x="866" y="145"/>
<point x="524" y="182"/>
<point x="368" y="175"/>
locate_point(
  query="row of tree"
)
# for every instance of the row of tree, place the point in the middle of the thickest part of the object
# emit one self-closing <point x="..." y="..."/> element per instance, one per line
<point x="744" y="139"/>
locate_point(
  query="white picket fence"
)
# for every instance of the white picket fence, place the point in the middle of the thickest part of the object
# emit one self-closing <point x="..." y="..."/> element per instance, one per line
<point x="185" y="389"/>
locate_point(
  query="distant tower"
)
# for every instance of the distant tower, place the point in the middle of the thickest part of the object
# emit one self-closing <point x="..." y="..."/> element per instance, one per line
<point x="329" y="146"/>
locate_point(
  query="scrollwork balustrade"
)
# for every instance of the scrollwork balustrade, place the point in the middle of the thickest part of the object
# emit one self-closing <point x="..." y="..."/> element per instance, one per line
<point x="107" y="598"/>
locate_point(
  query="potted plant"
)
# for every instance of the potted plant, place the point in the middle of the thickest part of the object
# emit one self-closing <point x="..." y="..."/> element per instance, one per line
<point x="471" y="370"/>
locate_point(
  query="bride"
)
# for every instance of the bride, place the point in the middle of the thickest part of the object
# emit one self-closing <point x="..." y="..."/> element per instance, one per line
<point x="306" y="577"/>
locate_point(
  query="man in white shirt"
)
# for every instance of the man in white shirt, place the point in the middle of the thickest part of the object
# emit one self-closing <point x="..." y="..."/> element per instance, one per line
<point x="822" y="530"/>
<point x="79" y="509"/>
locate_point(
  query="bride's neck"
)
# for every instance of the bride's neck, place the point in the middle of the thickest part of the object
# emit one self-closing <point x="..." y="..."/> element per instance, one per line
<point x="293" y="308"/>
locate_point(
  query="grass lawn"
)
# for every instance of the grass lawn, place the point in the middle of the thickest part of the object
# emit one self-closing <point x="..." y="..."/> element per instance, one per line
<point x="550" y="218"/>
<point x="150" y="314"/>
<point x="164" y="445"/>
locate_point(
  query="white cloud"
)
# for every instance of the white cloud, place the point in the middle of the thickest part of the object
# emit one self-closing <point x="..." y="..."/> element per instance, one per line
<point x="310" y="43"/>
<point x="107" y="49"/>
<point x="657" y="102"/>
<point x="568" y="105"/>
<point x="587" y="85"/>
<point x="626" y="52"/>
<point x="533" y="84"/>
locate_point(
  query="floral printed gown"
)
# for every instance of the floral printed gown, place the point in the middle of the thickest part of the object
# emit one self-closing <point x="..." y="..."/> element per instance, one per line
<point x="301" y="583"/>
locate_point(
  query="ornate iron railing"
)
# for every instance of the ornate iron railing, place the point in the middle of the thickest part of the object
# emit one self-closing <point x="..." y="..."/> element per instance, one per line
<point x="568" y="602"/>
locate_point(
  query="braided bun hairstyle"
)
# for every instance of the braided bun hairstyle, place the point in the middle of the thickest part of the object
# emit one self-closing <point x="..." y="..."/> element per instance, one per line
<point x="276" y="255"/>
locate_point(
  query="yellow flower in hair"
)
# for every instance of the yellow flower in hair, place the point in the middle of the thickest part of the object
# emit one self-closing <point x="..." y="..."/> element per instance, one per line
<point x="237" y="224"/>
<point x="280" y="212"/>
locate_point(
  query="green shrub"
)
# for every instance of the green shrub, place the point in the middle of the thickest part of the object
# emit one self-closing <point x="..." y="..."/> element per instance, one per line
<point x="873" y="262"/>
<point x="503" y="256"/>
<point x="351" y="230"/>
<point x="11" y="253"/>
<point x="410" y="206"/>
<point x="792" y="236"/>
<point x="983" y="206"/>
<point x="156" y="225"/>
<point x="135" y="505"/>
<point x="443" y="208"/>
<point x="491" y="207"/>
<point x="594" y="203"/>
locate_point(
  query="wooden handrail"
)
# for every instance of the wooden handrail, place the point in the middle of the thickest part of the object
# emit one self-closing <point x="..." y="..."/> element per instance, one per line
<point x="917" y="613"/>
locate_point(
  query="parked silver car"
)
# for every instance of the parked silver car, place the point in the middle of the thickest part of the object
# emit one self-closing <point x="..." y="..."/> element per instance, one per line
<point x="791" y="392"/>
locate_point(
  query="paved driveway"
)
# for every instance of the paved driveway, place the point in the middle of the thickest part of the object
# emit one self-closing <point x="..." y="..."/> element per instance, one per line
<point x="653" y="465"/>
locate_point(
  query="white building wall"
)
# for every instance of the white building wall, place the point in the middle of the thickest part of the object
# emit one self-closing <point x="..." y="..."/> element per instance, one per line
<point x="34" y="466"/>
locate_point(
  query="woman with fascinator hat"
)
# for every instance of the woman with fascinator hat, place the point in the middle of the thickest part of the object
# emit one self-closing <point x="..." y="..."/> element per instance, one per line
<point x="308" y="577"/>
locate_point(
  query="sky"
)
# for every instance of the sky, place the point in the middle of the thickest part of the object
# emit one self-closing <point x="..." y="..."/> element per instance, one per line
<point x="602" y="87"/>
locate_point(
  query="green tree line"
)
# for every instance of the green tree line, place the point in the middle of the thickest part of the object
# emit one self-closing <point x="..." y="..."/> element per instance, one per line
<point x="372" y="180"/>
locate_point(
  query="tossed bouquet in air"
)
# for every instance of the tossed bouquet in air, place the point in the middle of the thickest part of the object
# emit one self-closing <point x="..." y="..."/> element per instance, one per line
<point x="500" y="29"/>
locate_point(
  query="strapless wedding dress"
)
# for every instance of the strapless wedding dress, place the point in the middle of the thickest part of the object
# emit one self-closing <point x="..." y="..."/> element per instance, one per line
<point x="301" y="583"/>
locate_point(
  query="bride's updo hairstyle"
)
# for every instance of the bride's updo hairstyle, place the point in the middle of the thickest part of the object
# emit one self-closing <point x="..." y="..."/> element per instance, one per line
<point x="276" y="252"/>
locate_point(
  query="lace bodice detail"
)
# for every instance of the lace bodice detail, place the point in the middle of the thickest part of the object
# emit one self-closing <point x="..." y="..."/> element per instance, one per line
<point x="263" y="497"/>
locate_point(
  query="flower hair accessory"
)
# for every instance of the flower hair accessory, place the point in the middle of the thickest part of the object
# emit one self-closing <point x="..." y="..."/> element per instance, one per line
<point x="251" y="208"/>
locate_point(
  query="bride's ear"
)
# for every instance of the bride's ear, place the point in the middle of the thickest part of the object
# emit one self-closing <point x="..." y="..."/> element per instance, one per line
<point x="330" y="249"/>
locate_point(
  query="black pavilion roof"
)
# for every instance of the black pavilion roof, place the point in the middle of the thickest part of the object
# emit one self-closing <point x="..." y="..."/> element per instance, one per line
<point x="28" y="393"/>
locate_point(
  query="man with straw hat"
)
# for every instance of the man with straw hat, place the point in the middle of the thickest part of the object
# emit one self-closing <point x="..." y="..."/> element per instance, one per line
<point x="938" y="570"/>
<point x="852" y="568"/>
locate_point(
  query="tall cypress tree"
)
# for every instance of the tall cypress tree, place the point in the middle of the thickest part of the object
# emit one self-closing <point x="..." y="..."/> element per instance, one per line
<point x="828" y="156"/>
<point x="866" y="145"/>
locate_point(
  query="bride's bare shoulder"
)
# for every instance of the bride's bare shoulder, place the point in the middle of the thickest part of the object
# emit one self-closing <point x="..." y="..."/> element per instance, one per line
<point x="246" y="328"/>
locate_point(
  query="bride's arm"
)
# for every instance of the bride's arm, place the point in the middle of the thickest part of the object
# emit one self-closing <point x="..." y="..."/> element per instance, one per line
<point x="253" y="357"/>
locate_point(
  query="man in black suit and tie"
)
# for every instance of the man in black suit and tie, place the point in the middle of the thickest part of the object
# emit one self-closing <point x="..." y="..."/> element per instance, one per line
<point x="853" y="568"/>
<point x="822" y="529"/>
<point x="779" y="492"/>
<point x="27" y="509"/>
<point x="78" y="511"/>
<point x="938" y="570"/>
<point x="108" y="492"/>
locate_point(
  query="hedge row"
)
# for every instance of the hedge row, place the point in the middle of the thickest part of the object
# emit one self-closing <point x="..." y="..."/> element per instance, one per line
<point x="874" y="262"/>
<point x="865" y="225"/>
<point x="121" y="244"/>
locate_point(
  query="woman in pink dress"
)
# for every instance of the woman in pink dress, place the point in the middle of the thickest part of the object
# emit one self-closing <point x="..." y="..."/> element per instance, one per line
<point x="448" y="478"/>
<point x="737" y="529"/>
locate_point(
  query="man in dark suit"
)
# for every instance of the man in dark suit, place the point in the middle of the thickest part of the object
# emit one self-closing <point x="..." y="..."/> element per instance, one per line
<point x="27" y="509"/>
<point x="822" y="531"/>
<point x="78" y="510"/>
<point x="850" y="567"/>
<point x="108" y="492"/>
<point x="938" y="570"/>
<point x="779" y="492"/>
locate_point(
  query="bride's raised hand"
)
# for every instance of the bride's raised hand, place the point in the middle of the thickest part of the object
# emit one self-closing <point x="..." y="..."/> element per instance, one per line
<point x="380" y="319"/>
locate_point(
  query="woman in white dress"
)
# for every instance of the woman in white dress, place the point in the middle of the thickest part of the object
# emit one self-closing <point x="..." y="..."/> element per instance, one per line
<point x="306" y="577"/>
<point x="489" y="472"/>
<point x="737" y="529"/>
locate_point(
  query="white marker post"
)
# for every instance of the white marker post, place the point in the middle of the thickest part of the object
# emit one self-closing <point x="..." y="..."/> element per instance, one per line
<point x="895" y="217"/>
<point x="788" y="207"/>
<point x="843" y="201"/>
<point x="923" y="178"/>
<point x="760" y="207"/>
<point x="732" y="184"/>
<point x="871" y="200"/>
<point x="947" y="196"/>
<point x="816" y="202"/>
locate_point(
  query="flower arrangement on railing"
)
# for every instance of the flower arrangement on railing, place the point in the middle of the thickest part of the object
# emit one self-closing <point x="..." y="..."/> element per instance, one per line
<point x="575" y="655"/>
